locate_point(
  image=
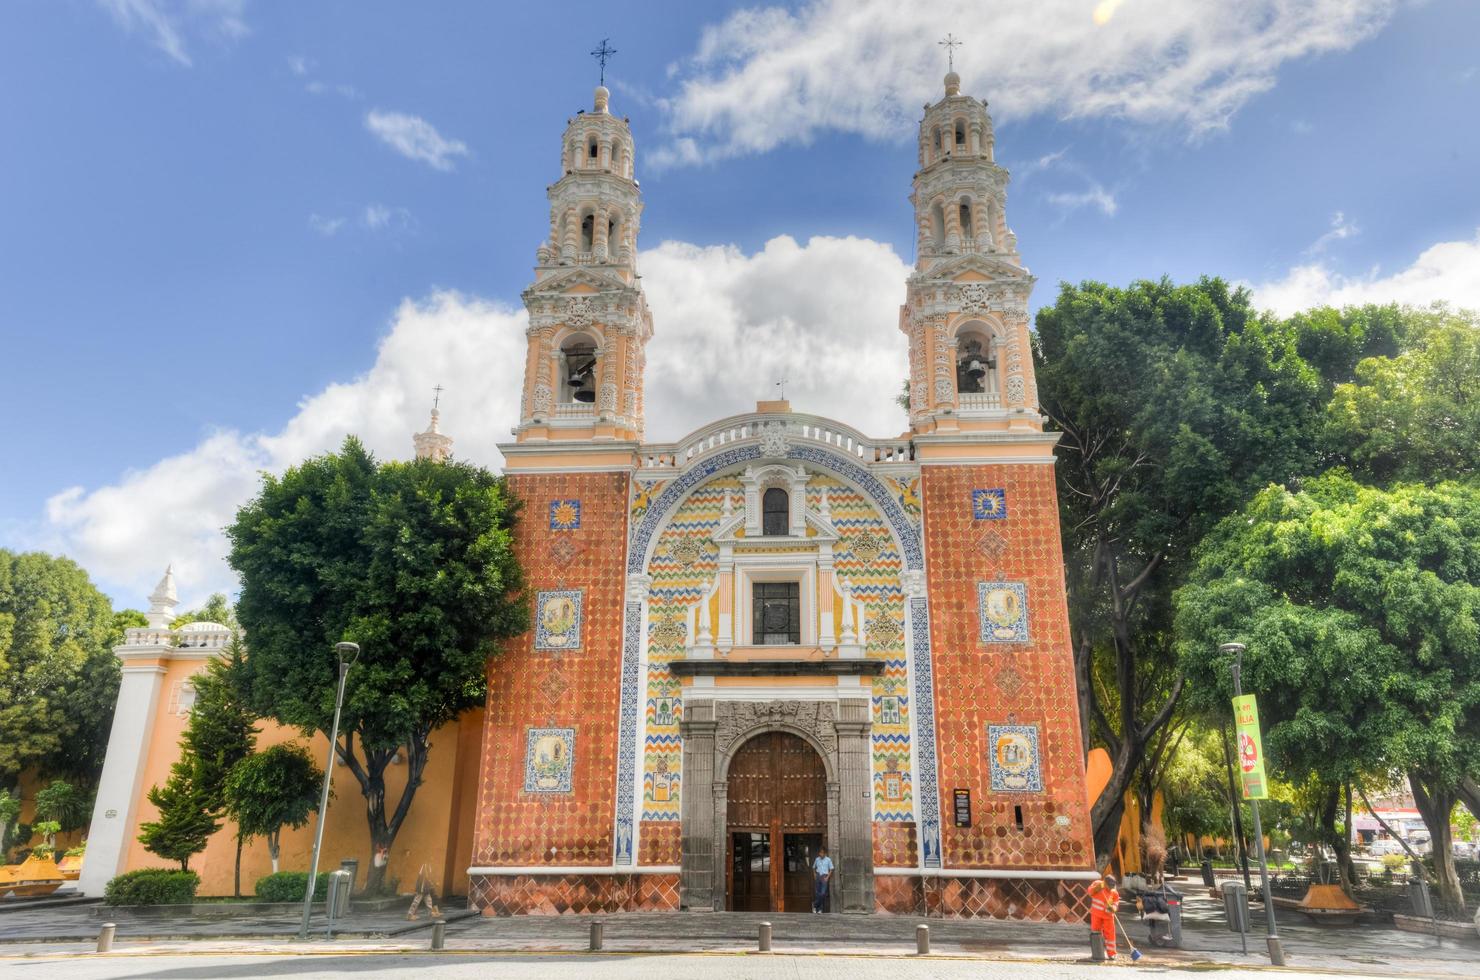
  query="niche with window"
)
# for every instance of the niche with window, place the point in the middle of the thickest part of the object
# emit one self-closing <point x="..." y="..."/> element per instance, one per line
<point x="967" y="228"/>
<point x="976" y="363"/>
<point x="960" y="134"/>
<point x="776" y="613"/>
<point x="776" y="512"/>
<point x="938" y="225"/>
<point x="578" y="369"/>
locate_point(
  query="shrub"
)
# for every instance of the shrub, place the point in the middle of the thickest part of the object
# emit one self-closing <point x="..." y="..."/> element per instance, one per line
<point x="1394" y="862"/>
<point x="289" y="886"/>
<point x="152" y="886"/>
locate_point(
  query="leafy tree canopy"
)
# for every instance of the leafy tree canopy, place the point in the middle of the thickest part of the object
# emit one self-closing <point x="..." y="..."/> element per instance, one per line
<point x="1361" y="611"/>
<point x="217" y="609"/>
<point x="1414" y="417"/>
<point x="58" y="676"/>
<point x="272" y="789"/>
<point x="65" y="804"/>
<point x="413" y="561"/>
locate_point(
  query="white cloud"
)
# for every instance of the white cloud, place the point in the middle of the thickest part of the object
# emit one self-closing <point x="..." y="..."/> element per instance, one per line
<point x="1095" y="196"/>
<point x="1340" y="229"/>
<point x="326" y="226"/>
<point x="727" y="325"/>
<point x="414" y="138"/>
<point x="167" y="22"/>
<point x="768" y="76"/>
<point x="1447" y="272"/>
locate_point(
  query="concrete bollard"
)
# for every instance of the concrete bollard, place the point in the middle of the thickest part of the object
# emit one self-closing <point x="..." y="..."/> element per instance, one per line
<point x="105" y="938"/>
<point x="598" y="934"/>
<point x="922" y="939"/>
<point x="765" y="937"/>
<point x="439" y="934"/>
<point x="1097" y="947"/>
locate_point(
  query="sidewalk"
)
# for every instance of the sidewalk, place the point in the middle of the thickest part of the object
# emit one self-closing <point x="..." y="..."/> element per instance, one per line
<point x="1366" y="950"/>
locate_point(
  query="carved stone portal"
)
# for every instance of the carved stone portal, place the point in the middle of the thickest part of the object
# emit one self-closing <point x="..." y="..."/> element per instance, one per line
<point x="713" y="731"/>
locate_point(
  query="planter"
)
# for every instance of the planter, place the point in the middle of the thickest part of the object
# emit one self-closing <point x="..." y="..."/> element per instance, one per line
<point x="1447" y="928"/>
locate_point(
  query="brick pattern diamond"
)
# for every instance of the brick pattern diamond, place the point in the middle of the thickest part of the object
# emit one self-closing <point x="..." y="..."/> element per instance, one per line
<point x="572" y="894"/>
<point x="982" y="898"/>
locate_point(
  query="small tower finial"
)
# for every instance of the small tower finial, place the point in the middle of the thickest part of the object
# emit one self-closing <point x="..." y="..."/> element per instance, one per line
<point x="951" y="43"/>
<point x="603" y="53"/>
<point x="433" y="444"/>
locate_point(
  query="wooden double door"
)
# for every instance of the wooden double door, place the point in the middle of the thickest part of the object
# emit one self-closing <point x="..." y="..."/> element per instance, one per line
<point x="777" y="820"/>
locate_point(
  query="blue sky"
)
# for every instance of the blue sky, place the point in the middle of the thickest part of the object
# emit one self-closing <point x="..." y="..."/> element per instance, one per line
<point x="231" y="231"/>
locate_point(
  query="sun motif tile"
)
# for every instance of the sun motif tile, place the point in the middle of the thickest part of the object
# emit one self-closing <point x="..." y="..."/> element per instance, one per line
<point x="1013" y="759"/>
<point x="549" y="757"/>
<point x="565" y="515"/>
<point x="557" y="619"/>
<point x="989" y="505"/>
<point x="1002" y="608"/>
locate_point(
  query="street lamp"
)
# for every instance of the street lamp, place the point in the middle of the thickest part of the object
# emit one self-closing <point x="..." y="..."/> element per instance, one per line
<point x="347" y="653"/>
<point x="1276" y="951"/>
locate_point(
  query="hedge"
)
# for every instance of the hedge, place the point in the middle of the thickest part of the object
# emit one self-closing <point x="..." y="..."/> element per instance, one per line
<point x="289" y="886"/>
<point x="152" y="886"/>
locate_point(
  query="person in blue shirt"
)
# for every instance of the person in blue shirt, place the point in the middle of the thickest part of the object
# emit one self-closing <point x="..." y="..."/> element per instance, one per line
<point x="822" y="867"/>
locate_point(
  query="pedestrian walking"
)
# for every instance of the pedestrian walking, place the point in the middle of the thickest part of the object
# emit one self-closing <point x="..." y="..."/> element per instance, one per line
<point x="1103" y="901"/>
<point x="424" y="893"/>
<point x="822" y="868"/>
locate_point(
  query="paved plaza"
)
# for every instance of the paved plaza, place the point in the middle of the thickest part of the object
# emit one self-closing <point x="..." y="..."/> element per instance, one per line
<point x="59" y="941"/>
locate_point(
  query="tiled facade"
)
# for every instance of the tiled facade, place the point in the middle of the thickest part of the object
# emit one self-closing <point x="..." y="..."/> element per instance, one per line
<point x="1004" y="684"/>
<point x="574" y="689"/>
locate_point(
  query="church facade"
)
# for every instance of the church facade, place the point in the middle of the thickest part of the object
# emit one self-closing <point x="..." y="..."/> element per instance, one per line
<point x="779" y="633"/>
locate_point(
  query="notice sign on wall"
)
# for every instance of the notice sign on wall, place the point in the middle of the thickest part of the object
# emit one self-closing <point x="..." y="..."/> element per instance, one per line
<point x="1250" y="747"/>
<point x="963" y="807"/>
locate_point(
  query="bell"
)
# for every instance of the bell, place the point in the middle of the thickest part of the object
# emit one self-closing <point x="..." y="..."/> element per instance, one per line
<point x="585" y="395"/>
<point x="976" y="370"/>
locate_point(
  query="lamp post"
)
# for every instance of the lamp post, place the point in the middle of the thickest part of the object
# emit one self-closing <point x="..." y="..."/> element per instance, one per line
<point x="347" y="653"/>
<point x="1276" y="951"/>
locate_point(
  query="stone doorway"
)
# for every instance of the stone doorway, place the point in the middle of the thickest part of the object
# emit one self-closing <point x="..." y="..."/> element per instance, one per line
<point x="836" y="734"/>
<point x="777" y="820"/>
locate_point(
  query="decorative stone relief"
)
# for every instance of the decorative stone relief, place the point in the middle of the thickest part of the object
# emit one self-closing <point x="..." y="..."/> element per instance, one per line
<point x="773" y="439"/>
<point x="607" y="401"/>
<point x="578" y="311"/>
<point x="739" y="719"/>
<point x="541" y="399"/>
<point x="945" y="391"/>
<point x="1016" y="391"/>
<point x="973" y="297"/>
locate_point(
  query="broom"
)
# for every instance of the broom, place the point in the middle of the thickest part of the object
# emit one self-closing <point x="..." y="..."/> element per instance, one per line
<point x="1120" y="927"/>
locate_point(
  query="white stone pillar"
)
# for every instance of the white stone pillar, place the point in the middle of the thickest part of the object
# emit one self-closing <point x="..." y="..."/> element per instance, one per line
<point x="122" y="781"/>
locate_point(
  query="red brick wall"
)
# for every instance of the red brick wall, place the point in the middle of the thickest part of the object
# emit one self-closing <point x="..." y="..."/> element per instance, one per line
<point x="978" y="684"/>
<point x="572" y="689"/>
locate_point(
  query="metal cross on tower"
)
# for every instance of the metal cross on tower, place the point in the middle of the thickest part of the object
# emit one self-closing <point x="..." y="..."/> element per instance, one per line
<point x="436" y="397"/>
<point x="782" y="385"/>
<point x="951" y="43"/>
<point x="603" y="53"/>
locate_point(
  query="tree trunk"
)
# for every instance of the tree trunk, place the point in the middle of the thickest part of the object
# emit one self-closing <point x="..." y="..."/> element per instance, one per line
<point x="1469" y="795"/>
<point x="1343" y="846"/>
<point x="272" y="849"/>
<point x="371" y="777"/>
<point x="1435" y="802"/>
<point x="236" y="882"/>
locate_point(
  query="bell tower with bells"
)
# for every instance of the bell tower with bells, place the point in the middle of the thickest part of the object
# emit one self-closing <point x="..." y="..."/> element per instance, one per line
<point x="588" y="318"/>
<point x="966" y="308"/>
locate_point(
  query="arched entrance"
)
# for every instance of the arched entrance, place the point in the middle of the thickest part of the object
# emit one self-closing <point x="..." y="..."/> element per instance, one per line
<point x="776" y="816"/>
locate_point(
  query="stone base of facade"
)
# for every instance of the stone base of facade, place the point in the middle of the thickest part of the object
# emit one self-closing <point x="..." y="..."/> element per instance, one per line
<point x="1039" y="900"/>
<point x="572" y="894"/>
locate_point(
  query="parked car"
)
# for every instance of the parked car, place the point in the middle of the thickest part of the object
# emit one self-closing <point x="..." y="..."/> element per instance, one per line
<point x="1384" y="845"/>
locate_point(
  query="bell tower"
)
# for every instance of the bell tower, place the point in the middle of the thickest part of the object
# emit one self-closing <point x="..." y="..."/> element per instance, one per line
<point x="588" y="319"/>
<point x="966" y="310"/>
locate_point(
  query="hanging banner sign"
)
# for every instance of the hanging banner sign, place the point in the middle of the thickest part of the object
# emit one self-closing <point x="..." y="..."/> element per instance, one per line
<point x="1250" y="748"/>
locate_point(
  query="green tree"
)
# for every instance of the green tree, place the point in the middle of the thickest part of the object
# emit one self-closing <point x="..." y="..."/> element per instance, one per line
<point x="222" y="730"/>
<point x="10" y="811"/>
<point x="1174" y="403"/>
<point x="272" y="789"/>
<point x="186" y="816"/>
<point x="413" y="561"/>
<point x="217" y="609"/>
<point x="1414" y="417"/>
<point x="1361" y="611"/>
<point x="64" y="803"/>
<point x="58" y="677"/>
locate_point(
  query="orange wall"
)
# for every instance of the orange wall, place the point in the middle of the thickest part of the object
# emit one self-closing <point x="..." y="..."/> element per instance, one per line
<point x="433" y="832"/>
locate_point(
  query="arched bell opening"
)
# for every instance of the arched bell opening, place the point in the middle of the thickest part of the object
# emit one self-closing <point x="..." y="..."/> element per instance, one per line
<point x="976" y="360"/>
<point x="578" y="375"/>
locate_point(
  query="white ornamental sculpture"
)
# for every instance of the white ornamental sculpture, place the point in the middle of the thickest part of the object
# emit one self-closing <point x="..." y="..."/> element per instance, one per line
<point x="773" y="439"/>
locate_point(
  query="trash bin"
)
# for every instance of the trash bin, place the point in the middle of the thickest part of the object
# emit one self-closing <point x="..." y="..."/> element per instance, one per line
<point x="1418" y="898"/>
<point x="352" y="865"/>
<point x="1235" y="906"/>
<point x="1174" y="914"/>
<point x="1207" y="873"/>
<point x="336" y="903"/>
<point x="1163" y="909"/>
